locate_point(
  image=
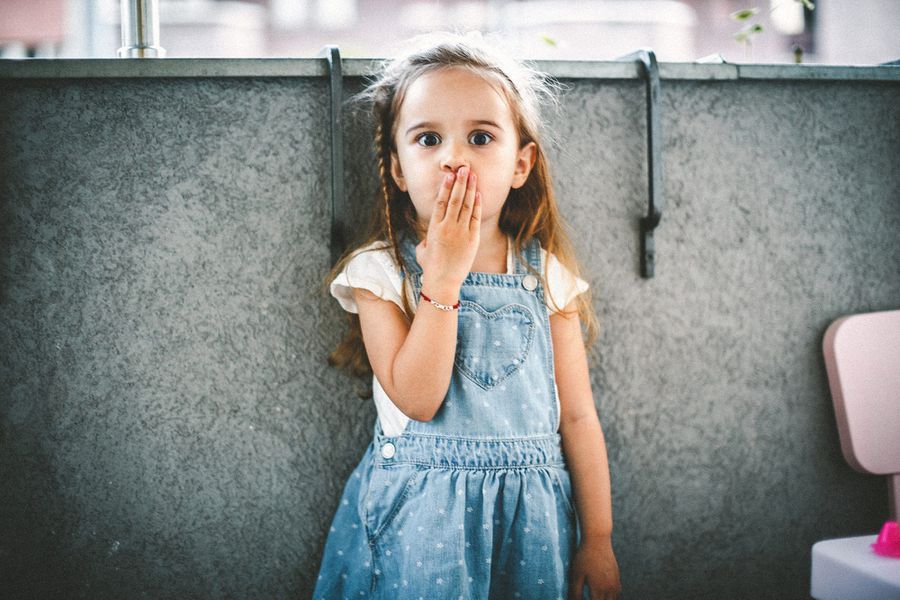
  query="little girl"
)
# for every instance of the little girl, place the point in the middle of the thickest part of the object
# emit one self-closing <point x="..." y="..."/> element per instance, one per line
<point x="469" y="315"/>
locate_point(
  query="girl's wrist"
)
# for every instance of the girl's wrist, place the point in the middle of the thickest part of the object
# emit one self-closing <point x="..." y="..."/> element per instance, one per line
<point x="436" y="304"/>
<point x="444" y="296"/>
<point x="601" y="539"/>
<point x="441" y="291"/>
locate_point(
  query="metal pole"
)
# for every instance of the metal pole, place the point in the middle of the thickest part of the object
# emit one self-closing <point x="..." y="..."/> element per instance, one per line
<point x="140" y="30"/>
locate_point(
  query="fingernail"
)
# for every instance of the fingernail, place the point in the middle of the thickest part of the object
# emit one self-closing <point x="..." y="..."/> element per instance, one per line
<point x="449" y="178"/>
<point x="463" y="172"/>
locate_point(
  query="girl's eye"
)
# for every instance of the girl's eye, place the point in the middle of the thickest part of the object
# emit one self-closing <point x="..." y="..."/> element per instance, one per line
<point x="428" y="139"/>
<point x="480" y="138"/>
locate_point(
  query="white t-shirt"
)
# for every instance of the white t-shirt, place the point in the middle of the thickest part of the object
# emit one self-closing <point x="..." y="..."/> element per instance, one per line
<point x="377" y="272"/>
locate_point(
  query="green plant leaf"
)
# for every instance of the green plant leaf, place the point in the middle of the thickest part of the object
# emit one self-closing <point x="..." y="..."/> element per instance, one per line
<point x="743" y="15"/>
<point x="548" y="40"/>
<point x="757" y="28"/>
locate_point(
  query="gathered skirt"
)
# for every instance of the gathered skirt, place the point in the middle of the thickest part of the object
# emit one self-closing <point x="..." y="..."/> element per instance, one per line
<point x="444" y="532"/>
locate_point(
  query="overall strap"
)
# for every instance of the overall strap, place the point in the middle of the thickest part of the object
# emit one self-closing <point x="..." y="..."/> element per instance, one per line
<point x="408" y="252"/>
<point x="532" y="252"/>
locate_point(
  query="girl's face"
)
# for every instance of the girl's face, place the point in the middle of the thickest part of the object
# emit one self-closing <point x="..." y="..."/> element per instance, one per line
<point x="451" y="118"/>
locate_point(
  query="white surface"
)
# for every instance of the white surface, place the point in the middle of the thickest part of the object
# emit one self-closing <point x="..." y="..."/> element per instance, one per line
<point x="848" y="569"/>
<point x="862" y="354"/>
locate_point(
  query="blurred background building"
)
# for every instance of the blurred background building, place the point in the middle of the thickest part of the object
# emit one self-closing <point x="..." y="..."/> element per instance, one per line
<point x="834" y="32"/>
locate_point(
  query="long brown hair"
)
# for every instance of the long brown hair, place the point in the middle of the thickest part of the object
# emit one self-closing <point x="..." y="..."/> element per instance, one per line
<point x="529" y="211"/>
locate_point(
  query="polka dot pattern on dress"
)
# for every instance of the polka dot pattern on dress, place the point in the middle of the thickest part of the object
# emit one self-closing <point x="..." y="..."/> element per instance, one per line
<point x="436" y="523"/>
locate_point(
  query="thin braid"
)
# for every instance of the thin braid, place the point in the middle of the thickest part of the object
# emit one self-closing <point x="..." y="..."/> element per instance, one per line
<point x="382" y="174"/>
<point x="382" y="152"/>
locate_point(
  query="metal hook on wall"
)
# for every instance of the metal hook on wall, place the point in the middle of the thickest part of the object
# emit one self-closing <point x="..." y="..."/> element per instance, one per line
<point x="339" y="215"/>
<point x="650" y="73"/>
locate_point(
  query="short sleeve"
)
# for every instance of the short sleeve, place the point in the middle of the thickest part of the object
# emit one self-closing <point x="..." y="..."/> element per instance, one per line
<point x="563" y="285"/>
<point x="371" y="268"/>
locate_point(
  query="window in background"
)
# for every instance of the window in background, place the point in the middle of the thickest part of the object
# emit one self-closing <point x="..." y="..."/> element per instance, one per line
<point x="836" y="32"/>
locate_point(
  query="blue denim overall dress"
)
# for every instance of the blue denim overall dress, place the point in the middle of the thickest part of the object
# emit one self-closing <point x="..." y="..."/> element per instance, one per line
<point x="477" y="502"/>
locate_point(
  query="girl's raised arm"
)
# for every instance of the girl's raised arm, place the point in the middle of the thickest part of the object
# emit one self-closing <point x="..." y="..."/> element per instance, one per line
<point x="414" y="362"/>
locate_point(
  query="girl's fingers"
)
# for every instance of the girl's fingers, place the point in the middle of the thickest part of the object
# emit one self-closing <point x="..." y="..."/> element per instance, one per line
<point x="456" y="196"/>
<point x="475" y="222"/>
<point x="443" y="197"/>
<point x="576" y="587"/>
<point x="465" y="211"/>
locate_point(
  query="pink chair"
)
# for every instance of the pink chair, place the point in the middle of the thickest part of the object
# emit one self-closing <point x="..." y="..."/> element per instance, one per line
<point x="862" y="356"/>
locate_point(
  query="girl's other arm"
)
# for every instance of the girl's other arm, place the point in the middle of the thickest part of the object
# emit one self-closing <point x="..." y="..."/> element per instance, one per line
<point x="585" y="449"/>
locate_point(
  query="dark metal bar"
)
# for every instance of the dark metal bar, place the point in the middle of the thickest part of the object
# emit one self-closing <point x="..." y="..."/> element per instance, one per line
<point x="650" y="73"/>
<point x="339" y="209"/>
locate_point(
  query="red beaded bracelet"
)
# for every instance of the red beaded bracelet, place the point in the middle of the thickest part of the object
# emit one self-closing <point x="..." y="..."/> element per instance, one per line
<point x="438" y="304"/>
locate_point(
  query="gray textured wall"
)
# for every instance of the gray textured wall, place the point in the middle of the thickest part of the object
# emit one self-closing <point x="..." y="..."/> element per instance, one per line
<point x="168" y="426"/>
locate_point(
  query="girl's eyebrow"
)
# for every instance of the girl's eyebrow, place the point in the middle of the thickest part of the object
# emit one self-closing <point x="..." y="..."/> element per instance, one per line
<point x="430" y="125"/>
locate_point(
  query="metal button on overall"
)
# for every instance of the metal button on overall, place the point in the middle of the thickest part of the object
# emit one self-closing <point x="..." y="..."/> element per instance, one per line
<point x="529" y="282"/>
<point x="388" y="450"/>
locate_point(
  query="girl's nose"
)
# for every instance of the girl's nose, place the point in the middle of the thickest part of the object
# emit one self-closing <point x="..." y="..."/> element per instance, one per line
<point x="454" y="157"/>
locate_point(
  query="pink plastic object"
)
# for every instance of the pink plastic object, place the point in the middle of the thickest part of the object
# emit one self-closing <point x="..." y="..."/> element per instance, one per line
<point x="862" y="356"/>
<point x="888" y="542"/>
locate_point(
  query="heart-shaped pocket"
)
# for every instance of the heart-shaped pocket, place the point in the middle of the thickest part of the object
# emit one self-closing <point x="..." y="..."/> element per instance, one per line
<point x="491" y="346"/>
